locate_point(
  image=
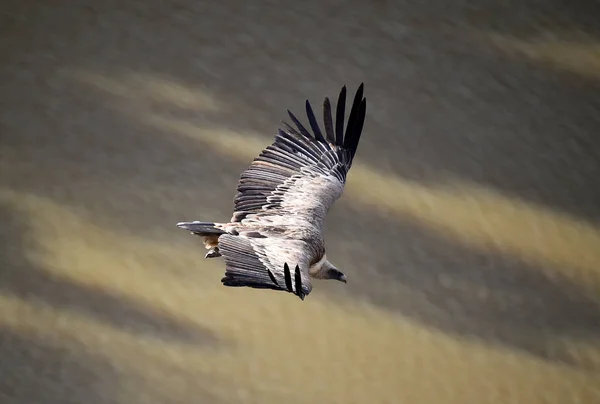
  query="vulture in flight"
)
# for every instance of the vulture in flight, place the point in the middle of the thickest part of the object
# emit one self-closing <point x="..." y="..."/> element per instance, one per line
<point x="274" y="239"/>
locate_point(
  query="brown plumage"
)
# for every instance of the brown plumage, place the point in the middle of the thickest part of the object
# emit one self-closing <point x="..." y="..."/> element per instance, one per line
<point x="274" y="237"/>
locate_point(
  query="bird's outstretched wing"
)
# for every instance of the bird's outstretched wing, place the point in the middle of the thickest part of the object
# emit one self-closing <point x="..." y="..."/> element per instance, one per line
<point x="276" y="264"/>
<point x="283" y="198"/>
<point x="300" y="173"/>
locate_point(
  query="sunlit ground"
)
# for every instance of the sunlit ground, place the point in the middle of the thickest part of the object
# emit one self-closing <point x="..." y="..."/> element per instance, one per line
<point x="272" y="347"/>
<point x="141" y="317"/>
<point x="579" y="57"/>
<point x="471" y="214"/>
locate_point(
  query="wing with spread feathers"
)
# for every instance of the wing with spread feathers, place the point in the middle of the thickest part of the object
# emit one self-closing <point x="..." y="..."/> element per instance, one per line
<point x="302" y="173"/>
<point x="263" y="263"/>
<point x="284" y="197"/>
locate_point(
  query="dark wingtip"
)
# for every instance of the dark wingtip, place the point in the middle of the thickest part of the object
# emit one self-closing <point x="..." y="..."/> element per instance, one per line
<point x="291" y="115"/>
<point x="298" y="280"/>
<point x="339" y="117"/>
<point x="272" y="277"/>
<point x="288" y="277"/>
<point x="328" y="121"/>
<point x="313" y="122"/>
<point x="299" y="125"/>
<point x="355" y="121"/>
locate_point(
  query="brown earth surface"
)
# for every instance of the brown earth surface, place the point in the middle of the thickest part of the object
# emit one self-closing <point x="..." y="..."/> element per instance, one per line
<point x="469" y="228"/>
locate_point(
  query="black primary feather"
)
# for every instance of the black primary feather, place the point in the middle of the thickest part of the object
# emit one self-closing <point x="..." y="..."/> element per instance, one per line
<point x="272" y="278"/>
<point x="328" y="121"/>
<point x="355" y="121"/>
<point x="298" y="279"/>
<point x="339" y="118"/>
<point x="263" y="186"/>
<point x="300" y="127"/>
<point x="313" y="123"/>
<point x="288" y="277"/>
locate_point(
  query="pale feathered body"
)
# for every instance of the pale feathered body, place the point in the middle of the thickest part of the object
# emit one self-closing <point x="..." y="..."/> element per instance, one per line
<point x="274" y="239"/>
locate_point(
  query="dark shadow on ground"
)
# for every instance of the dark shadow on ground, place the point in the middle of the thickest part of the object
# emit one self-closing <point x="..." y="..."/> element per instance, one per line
<point x="439" y="106"/>
<point x="34" y="370"/>
<point x="463" y="292"/>
<point x="24" y="279"/>
<point x="527" y="18"/>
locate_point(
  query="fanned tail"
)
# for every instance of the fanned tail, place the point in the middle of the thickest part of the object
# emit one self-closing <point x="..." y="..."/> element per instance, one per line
<point x="210" y="233"/>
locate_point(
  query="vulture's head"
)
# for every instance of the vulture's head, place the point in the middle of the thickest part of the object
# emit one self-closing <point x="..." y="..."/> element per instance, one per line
<point x="326" y="270"/>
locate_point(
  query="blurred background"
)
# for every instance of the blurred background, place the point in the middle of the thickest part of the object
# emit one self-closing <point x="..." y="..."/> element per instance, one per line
<point x="469" y="228"/>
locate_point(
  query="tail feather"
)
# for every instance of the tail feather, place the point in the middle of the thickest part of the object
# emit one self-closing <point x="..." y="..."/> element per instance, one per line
<point x="210" y="233"/>
<point x="201" y="228"/>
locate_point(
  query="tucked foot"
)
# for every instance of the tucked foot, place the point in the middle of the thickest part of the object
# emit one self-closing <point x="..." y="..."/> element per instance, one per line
<point x="213" y="253"/>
